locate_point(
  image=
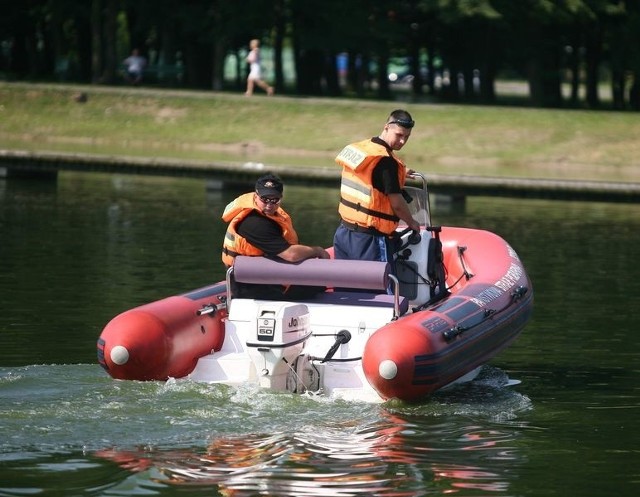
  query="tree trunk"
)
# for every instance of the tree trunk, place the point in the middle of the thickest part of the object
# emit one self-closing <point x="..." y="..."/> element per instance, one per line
<point x="331" y="75"/>
<point x="488" y="82"/>
<point x="617" y="88"/>
<point x="198" y="58"/>
<point x="414" y="62"/>
<point x="634" y="92"/>
<point x="217" y="63"/>
<point x="384" y="92"/>
<point x="310" y="71"/>
<point x="544" y="73"/>
<point x="110" y="28"/>
<point x="279" y="32"/>
<point x="592" y="62"/>
<point x="96" y="41"/>
<point x="574" y="67"/>
<point x="431" y="66"/>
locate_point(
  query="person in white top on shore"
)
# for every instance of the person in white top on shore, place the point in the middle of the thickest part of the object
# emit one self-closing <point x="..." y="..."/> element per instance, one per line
<point x="255" y="70"/>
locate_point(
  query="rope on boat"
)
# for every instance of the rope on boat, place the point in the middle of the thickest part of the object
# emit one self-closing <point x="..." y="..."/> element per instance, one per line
<point x="456" y="331"/>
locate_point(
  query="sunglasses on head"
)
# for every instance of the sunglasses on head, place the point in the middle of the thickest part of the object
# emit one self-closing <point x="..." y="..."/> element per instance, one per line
<point x="405" y="123"/>
<point x="270" y="200"/>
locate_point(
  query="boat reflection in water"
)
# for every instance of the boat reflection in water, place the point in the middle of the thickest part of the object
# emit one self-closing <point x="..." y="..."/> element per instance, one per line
<point x="426" y="449"/>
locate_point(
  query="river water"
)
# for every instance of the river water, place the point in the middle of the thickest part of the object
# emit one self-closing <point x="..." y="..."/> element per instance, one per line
<point x="77" y="251"/>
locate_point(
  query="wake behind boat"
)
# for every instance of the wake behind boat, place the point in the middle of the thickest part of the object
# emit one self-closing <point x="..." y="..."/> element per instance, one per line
<point x="459" y="297"/>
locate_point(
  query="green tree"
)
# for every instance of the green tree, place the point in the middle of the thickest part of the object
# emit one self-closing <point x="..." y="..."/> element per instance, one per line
<point x="548" y="42"/>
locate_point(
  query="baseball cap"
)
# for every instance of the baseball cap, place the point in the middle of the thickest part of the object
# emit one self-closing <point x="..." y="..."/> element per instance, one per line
<point x="269" y="185"/>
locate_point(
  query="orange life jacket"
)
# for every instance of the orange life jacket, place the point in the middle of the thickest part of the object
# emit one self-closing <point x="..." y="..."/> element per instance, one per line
<point x="234" y="244"/>
<point x="360" y="203"/>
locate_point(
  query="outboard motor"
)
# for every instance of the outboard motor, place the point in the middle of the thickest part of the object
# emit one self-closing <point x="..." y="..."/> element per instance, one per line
<point x="281" y="330"/>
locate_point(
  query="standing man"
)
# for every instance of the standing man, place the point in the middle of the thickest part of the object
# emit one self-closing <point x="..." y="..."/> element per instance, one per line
<point x="371" y="193"/>
<point x="259" y="226"/>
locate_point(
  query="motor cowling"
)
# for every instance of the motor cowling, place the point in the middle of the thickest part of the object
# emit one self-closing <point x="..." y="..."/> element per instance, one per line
<point x="281" y="331"/>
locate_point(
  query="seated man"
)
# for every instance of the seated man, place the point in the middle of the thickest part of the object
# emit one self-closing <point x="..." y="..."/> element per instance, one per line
<point x="259" y="226"/>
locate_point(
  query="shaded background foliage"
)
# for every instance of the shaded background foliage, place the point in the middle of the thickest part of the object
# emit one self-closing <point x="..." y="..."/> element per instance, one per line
<point x="451" y="50"/>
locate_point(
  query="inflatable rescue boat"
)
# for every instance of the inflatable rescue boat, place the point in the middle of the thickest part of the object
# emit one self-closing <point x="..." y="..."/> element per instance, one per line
<point x="457" y="298"/>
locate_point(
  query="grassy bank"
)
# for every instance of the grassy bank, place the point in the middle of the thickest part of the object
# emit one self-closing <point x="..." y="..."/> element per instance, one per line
<point x="451" y="139"/>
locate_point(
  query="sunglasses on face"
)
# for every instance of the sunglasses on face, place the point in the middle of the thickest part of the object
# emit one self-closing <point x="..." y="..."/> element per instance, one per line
<point x="268" y="200"/>
<point x="405" y="123"/>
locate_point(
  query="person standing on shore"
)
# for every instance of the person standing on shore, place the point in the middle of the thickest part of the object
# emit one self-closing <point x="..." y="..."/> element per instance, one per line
<point x="372" y="202"/>
<point x="255" y="70"/>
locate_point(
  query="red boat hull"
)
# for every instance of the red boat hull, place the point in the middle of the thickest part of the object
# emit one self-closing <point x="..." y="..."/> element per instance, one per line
<point x="163" y="339"/>
<point x="490" y="302"/>
<point x="414" y="356"/>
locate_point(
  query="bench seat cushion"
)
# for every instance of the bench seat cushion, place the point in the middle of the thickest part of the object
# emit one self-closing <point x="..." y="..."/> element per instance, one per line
<point x="360" y="299"/>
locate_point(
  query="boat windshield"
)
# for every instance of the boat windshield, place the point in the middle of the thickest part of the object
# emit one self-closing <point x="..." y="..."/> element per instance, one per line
<point x="419" y="205"/>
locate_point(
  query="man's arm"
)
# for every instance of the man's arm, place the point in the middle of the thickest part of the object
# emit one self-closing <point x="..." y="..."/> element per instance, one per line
<point x="401" y="209"/>
<point x="297" y="253"/>
<point x="386" y="180"/>
<point x="267" y="236"/>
